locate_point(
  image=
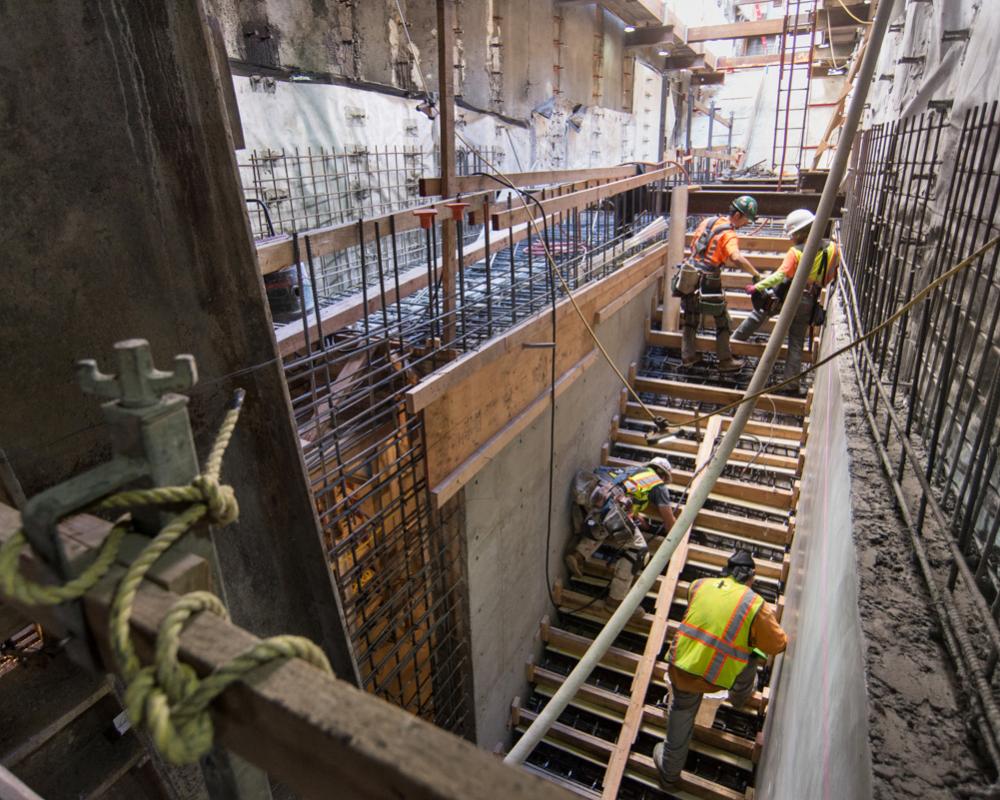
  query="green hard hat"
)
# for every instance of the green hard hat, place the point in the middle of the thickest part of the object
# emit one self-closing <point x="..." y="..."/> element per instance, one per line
<point x="747" y="206"/>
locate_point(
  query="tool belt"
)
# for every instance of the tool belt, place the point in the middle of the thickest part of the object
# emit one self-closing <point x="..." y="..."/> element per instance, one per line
<point x="704" y="283"/>
<point x="686" y="279"/>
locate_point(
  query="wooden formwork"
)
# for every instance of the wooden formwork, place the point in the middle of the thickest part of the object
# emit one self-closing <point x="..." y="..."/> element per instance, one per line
<point x="605" y="738"/>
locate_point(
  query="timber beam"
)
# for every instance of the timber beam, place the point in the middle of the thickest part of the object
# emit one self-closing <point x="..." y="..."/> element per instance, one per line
<point x="302" y="725"/>
<point x="772" y="204"/>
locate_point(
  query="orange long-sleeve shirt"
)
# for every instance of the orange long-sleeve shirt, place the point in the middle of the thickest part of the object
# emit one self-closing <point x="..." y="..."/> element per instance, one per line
<point x="766" y="635"/>
<point x="722" y="247"/>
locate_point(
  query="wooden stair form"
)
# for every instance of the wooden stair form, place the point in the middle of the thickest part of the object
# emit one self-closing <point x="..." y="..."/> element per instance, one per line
<point x="750" y="508"/>
<point x="706" y="344"/>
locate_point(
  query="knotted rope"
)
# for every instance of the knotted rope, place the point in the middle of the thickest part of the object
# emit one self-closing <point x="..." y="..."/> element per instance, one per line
<point x="166" y="696"/>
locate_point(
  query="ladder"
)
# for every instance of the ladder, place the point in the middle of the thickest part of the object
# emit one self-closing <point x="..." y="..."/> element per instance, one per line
<point x="798" y="37"/>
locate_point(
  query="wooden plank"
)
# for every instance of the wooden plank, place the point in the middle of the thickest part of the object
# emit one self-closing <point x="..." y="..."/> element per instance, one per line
<point x="790" y="433"/>
<point x="717" y="394"/>
<point x="459" y="477"/>
<point x="706" y="344"/>
<point x="767" y="532"/>
<point x="320" y="731"/>
<point x="772" y="204"/>
<point x="523" y="212"/>
<point x="467" y="403"/>
<point x="654" y="644"/>
<point x="277" y="253"/>
<point x="735" y="30"/>
<point x="670" y="320"/>
<point x="770" y="244"/>
<point x="616" y="659"/>
<point x="617" y="705"/>
<point x="430" y="187"/>
<point x="636" y="438"/>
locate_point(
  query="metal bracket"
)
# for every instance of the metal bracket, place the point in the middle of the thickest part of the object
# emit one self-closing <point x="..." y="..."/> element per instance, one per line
<point x="151" y="441"/>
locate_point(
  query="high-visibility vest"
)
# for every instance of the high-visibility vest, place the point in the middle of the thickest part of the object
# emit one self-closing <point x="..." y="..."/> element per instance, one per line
<point x="817" y="275"/>
<point x="704" y="247"/>
<point x="713" y="638"/>
<point x="639" y="484"/>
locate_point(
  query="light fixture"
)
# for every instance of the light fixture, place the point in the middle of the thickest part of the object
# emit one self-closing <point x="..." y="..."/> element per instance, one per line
<point x="630" y="29"/>
<point x="663" y="53"/>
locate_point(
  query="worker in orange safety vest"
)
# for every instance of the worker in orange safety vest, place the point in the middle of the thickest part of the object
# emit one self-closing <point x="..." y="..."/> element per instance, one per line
<point x="715" y="244"/>
<point x="715" y="648"/>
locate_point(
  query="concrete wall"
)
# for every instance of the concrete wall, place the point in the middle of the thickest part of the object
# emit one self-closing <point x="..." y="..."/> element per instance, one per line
<point x="123" y="219"/>
<point x="301" y="68"/>
<point x="505" y="510"/>
<point x="816" y="735"/>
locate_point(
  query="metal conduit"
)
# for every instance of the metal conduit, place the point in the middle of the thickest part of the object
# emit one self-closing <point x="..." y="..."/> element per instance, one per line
<point x="614" y="626"/>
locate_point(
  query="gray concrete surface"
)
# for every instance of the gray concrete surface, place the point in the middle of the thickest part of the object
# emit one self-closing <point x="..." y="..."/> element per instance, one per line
<point x="505" y="509"/>
<point x="123" y="218"/>
<point x="816" y="735"/>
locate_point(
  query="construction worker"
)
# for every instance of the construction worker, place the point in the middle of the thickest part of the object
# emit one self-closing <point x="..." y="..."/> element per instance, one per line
<point x="716" y="647"/>
<point x="607" y="509"/>
<point x="715" y="245"/>
<point x="769" y="293"/>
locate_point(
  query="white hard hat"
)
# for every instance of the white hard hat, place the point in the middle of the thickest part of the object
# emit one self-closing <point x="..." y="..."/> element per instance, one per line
<point x="797" y="220"/>
<point x="661" y="463"/>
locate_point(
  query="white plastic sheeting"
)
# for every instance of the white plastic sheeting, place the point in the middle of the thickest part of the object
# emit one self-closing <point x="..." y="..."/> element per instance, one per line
<point x="817" y="722"/>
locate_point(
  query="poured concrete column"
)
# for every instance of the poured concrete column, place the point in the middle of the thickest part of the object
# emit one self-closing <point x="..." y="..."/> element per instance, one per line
<point x="123" y="217"/>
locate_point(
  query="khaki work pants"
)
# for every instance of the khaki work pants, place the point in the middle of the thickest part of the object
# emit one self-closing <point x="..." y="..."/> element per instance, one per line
<point x="621" y="578"/>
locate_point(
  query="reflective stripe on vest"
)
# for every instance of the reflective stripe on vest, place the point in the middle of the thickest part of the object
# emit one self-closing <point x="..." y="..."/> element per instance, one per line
<point x="713" y="638"/>
<point x="821" y="263"/>
<point x="639" y="485"/>
<point x="705" y="246"/>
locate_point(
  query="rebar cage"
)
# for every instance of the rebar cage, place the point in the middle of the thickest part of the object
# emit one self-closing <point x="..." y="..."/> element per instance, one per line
<point x="372" y="321"/>
<point x="914" y="214"/>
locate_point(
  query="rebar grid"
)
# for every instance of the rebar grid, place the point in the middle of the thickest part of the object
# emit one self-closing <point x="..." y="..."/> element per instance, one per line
<point x="905" y="228"/>
<point x="398" y="562"/>
<point x="319" y="186"/>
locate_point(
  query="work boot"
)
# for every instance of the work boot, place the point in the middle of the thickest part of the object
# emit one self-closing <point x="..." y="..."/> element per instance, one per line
<point x="732" y="365"/>
<point x="667" y="783"/>
<point x="610" y="605"/>
<point x="574" y="563"/>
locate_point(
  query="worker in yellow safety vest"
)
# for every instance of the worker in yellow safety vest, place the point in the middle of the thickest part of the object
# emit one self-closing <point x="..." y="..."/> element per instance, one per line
<point x="607" y="509"/>
<point x="715" y="648"/>
<point x="768" y="294"/>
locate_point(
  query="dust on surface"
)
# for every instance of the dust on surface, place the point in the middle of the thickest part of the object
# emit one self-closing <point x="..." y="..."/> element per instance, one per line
<point x="919" y="741"/>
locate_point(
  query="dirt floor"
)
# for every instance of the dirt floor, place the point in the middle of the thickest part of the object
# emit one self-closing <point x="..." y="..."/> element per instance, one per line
<point x="920" y="746"/>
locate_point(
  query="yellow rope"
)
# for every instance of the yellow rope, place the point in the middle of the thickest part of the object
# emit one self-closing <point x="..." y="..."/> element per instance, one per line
<point x="166" y="696"/>
<point x="852" y="16"/>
